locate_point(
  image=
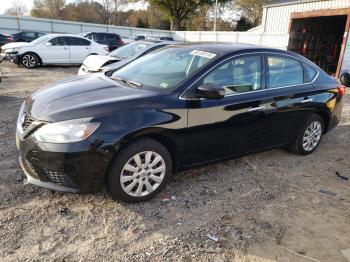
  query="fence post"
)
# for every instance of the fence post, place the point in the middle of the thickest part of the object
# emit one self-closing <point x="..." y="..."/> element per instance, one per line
<point x="18" y="24"/>
<point x="51" y="26"/>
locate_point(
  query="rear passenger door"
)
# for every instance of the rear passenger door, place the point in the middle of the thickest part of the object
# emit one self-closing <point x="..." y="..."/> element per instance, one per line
<point x="289" y="98"/>
<point x="79" y="49"/>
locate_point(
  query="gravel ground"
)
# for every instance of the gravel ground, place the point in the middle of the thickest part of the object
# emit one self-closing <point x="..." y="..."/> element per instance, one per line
<point x="256" y="208"/>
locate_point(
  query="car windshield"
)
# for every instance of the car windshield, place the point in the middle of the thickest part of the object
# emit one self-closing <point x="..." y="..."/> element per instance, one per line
<point x="129" y="50"/>
<point x="41" y="40"/>
<point x="164" y="68"/>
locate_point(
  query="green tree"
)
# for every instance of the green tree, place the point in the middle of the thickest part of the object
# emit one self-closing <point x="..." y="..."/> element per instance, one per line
<point x="252" y="9"/>
<point x="179" y="10"/>
<point x="243" y="24"/>
<point x="54" y="9"/>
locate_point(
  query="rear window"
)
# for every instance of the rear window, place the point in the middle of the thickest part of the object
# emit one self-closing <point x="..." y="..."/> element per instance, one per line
<point x="111" y="37"/>
<point x="284" y="71"/>
<point x="311" y="72"/>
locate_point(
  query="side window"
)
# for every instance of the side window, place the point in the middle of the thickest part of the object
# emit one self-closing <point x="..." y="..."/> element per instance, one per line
<point x="58" y="41"/>
<point x="284" y="71"/>
<point x="75" y="41"/>
<point x="310" y="71"/>
<point x="29" y="34"/>
<point x="99" y="37"/>
<point x="238" y="75"/>
<point x="110" y="37"/>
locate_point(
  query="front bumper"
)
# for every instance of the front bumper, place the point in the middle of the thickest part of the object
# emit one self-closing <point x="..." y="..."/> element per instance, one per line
<point x="76" y="167"/>
<point x="12" y="57"/>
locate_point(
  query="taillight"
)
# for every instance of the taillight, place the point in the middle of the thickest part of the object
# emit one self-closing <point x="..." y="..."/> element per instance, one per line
<point x="341" y="90"/>
<point x="9" y="39"/>
<point x="121" y="42"/>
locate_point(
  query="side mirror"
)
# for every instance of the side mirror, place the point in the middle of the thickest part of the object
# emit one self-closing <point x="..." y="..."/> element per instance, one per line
<point x="211" y="91"/>
<point x="48" y="44"/>
<point x="345" y="79"/>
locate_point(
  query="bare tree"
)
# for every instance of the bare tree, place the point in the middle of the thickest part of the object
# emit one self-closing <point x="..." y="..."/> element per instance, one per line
<point x="18" y="8"/>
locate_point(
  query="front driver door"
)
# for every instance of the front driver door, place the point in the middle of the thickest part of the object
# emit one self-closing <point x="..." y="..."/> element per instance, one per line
<point x="233" y="125"/>
<point x="56" y="51"/>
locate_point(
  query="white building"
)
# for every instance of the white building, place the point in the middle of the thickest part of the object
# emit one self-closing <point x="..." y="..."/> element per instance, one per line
<point x="315" y="29"/>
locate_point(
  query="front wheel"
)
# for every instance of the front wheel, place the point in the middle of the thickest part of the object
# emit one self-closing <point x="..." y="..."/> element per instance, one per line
<point x="309" y="136"/>
<point x="30" y="60"/>
<point x="139" y="171"/>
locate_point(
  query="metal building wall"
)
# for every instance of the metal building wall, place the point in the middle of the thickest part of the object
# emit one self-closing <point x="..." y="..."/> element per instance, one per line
<point x="276" y="18"/>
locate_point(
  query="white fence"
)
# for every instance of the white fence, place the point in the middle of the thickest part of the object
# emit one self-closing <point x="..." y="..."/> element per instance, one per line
<point x="270" y="40"/>
<point x="13" y="24"/>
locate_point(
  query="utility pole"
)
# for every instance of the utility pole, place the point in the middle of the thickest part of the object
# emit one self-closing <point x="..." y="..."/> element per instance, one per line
<point x="216" y="14"/>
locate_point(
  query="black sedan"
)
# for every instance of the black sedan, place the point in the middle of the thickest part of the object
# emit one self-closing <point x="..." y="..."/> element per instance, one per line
<point x="172" y="110"/>
<point x="26" y="36"/>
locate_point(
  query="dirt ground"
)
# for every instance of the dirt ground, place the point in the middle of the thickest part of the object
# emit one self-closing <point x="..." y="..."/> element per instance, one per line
<point x="261" y="207"/>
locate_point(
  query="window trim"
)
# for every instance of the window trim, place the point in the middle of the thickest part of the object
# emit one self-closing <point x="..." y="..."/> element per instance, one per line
<point x="183" y="95"/>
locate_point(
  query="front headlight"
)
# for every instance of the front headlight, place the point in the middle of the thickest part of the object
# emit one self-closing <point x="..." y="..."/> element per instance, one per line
<point x="66" y="131"/>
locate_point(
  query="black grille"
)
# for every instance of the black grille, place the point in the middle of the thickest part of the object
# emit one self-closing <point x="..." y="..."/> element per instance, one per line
<point x="31" y="168"/>
<point x="60" y="178"/>
<point x="28" y="120"/>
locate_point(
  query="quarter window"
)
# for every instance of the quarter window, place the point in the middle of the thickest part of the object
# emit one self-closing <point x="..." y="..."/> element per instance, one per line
<point x="284" y="71"/>
<point x="311" y="72"/>
<point x="238" y="75"/>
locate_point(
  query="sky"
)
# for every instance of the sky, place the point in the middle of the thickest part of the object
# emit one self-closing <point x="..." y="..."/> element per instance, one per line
<point x="6" y="4"/>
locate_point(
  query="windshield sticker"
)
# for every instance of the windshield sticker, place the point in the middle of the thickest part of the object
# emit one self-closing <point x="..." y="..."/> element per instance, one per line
<point x="203" y="54"/>
<point x="164" y="85"/>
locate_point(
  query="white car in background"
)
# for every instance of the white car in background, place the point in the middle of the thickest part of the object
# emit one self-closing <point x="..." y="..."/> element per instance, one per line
<point x="52" y="49"/>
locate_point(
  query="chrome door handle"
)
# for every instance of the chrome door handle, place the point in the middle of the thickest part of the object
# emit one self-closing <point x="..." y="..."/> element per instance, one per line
<point x="256" y="109"/>
<point x="307" y="101"/>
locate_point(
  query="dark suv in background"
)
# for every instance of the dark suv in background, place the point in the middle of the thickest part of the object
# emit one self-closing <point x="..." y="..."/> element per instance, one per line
<point x="112" y="40"/>
<point x="27" y="36"/>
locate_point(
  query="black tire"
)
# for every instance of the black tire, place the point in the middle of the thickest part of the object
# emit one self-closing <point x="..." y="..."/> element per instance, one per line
<point x="30" y="60"/>
<point x="124" y="156"/>
<point x="297" y="145"/>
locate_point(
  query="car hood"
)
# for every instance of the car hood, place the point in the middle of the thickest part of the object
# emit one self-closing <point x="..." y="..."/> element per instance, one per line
<point x="87" y="96"/>
<point x="95" y="62"/>
<point x="14" y="45"/>
<point x="116" y="65"/>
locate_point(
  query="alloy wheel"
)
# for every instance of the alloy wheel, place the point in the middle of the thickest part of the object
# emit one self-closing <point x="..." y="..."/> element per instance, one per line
<point x="143" y="174"/>
<point x="312" y="136"/>
<point x="29" y="60"/>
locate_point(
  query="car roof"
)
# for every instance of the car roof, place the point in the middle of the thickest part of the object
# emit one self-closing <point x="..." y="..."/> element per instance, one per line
<point x="155" y="42"/>
<point x="222" y="48"/>
<point x="70" y="35"/>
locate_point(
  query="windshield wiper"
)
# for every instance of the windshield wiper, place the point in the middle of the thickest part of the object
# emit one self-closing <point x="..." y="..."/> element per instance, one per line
<point x="127" y="82"/>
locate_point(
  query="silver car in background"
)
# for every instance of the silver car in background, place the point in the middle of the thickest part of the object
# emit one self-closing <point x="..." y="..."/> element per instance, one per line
<point x="119" y="57"/>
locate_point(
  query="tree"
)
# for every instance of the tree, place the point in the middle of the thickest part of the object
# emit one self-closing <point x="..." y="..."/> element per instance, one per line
<point x="243" y="24"/>
<point x="252" y="9"/>
<point x="179" y="10"/>
<point x="18" y="8"/>
<point x="49" y="9"/>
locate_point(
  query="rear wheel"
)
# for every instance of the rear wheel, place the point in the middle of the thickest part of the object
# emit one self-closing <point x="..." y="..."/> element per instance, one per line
<point x="139" y="171"/>
<point x="309" y="136"/>
<point x="30" y="60"/>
